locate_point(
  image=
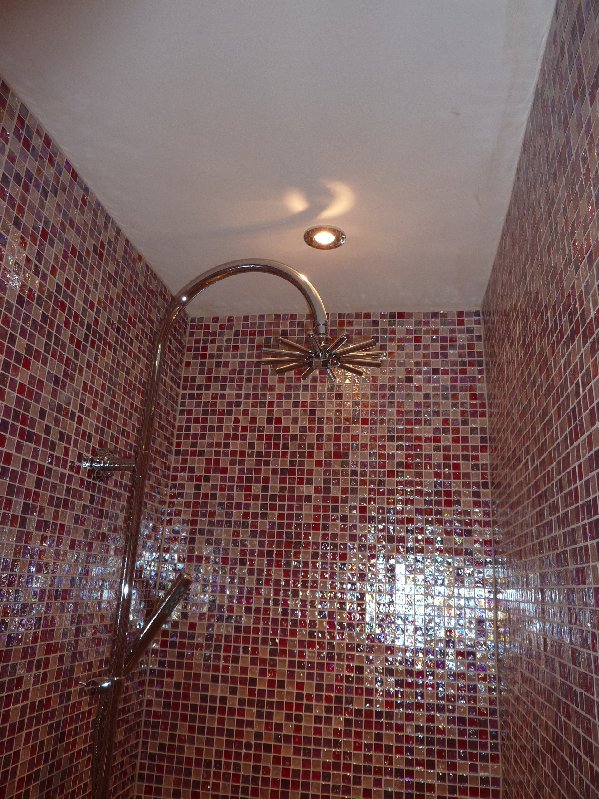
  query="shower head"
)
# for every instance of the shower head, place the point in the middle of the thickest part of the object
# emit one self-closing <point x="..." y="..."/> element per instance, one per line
<point x="322" y="354"/>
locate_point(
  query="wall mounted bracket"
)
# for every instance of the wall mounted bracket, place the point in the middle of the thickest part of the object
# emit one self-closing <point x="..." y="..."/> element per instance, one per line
<point x="102" y="465"/>
<point x="101" y="685"/>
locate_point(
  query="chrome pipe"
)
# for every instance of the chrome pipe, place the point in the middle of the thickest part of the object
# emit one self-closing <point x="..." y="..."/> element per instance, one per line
<point x="102" y="465"/>
<point x="301" y="282"/>
<point x="156" y="621"/>
<point x="361" y="345"/>
<point x="291" y="366"/>
<point x="109" y="462"/>
<point x="294" y="345"/>
<point x="339" y="342"/>
<point x="142" y="463"/>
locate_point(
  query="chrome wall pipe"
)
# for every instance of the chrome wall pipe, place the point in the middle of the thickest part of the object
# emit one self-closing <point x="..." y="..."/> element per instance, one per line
<point x="120" y="655"/>
<point x="104" y="464"/>
<point x="158" y="617"/>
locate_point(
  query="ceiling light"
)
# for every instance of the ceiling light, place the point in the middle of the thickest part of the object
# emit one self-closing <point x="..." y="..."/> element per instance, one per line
<point x="324" y="237"/>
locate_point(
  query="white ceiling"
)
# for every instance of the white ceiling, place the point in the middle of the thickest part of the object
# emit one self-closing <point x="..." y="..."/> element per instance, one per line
<point x="221" y="130"/>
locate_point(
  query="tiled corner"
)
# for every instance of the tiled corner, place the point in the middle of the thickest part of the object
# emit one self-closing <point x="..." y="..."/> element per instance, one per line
<point x="542" y="334"/>
<point x="78" y="311"/>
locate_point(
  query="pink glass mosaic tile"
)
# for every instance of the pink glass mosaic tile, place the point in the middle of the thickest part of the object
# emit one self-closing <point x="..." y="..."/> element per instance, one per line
<point x="78" y="307"/>
<point x="542" y="334"/>
<point x="338" y="640"/>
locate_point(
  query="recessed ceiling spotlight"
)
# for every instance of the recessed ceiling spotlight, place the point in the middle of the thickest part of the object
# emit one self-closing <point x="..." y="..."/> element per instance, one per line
<point x="324" y="237"/>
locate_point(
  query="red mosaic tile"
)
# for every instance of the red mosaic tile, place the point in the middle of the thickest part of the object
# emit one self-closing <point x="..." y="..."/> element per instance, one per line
<point x="78" y="307"/>
<point x="338" y="640"/>
<point x="541" y="328"/>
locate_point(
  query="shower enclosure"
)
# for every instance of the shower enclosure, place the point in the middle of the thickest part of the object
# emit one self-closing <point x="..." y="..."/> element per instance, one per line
<point x="338" y="638"/>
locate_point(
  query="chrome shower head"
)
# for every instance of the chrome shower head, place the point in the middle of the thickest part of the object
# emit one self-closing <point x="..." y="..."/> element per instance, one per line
<point x="323" y="354"/>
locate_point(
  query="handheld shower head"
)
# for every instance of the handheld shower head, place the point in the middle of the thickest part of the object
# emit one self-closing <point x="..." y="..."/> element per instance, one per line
<point x="323" y="354"/>
<point x="159" y="615"/>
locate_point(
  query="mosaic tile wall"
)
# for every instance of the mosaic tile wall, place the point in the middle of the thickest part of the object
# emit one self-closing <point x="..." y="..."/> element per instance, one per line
<point x="78" y="307"/>
<point x="339" y="639"/>
<point x="541" y="328"/>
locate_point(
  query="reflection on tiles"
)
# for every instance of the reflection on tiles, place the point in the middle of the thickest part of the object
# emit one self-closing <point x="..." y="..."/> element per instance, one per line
<point x="541" y="326"/>
<point x="77" y="309"/>
<point x="339" y="639"/>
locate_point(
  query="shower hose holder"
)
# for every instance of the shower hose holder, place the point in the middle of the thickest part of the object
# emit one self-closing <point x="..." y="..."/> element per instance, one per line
<point x="104" y="464"/>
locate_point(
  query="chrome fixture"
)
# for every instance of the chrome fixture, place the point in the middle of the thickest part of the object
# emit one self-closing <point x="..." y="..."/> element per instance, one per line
<point x="151" y="628"/>
<point x="102" y="465"/>
<point x="109" y="689"/>
<point x="123" y="658"/>
<point x="320" y="354"/>
<point x="324" y="237"/>
<point x="99" y="685"/>
<point x="154" y="624"/>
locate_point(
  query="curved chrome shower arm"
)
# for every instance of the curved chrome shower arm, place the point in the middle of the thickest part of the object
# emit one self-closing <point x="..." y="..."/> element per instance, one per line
<point x="301" y="282"/>
<point x="202" y="282"/>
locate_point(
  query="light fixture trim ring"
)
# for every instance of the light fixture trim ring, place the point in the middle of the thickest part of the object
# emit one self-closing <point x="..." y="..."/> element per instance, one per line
<point x="338" y="237"/>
